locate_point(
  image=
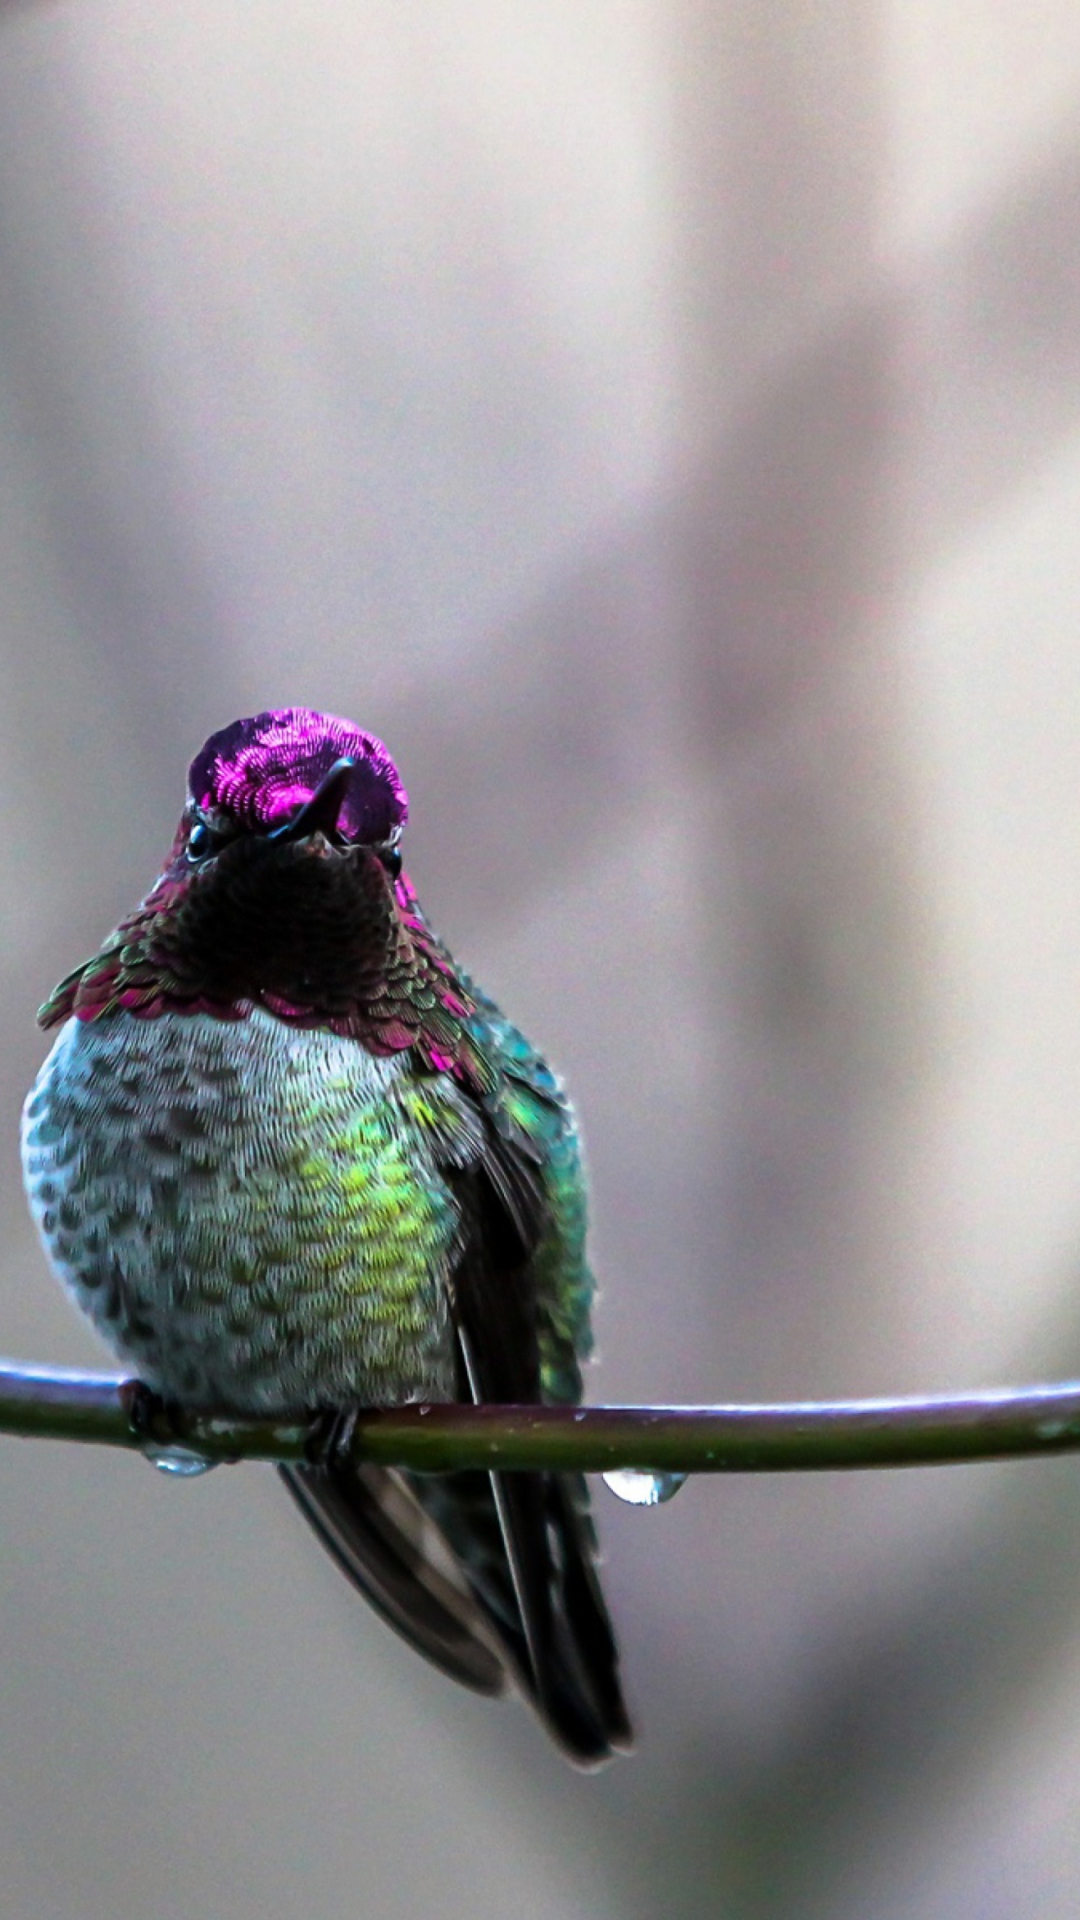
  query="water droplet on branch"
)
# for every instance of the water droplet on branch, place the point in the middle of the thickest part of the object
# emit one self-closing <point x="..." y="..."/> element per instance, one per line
<point x="644" y="1486"/>
<point x="180" y="1461"/>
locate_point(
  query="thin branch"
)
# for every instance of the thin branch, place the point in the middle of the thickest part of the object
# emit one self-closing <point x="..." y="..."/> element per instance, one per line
<point x="103" y="1408"/>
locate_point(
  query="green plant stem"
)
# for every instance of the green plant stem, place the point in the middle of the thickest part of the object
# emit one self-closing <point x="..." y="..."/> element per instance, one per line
<point x="103" y="1408"/>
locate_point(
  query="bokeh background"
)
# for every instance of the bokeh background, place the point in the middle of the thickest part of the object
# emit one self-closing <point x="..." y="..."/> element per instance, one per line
<point x="660" y="419"/>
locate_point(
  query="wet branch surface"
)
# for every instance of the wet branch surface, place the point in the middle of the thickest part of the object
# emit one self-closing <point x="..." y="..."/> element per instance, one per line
<point x="105" y="1409"/>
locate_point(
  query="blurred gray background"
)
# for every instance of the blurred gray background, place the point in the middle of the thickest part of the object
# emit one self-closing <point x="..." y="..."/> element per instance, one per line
<point x="660" y="421"/>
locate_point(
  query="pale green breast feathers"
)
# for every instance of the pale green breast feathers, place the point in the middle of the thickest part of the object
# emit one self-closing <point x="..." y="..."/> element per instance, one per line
<point x="267" y="1216"/>
<point x="248" y="1212"/>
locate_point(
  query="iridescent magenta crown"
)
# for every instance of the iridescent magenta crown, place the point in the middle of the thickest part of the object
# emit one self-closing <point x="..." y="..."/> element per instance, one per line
<point x="262" y="769"/>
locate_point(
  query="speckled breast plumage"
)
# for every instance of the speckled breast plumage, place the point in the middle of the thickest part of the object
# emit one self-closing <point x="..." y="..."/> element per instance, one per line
<point x="224" y="1198"/>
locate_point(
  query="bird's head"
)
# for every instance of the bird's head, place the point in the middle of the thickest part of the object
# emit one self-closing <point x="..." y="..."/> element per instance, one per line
<point x="283" y="889"/>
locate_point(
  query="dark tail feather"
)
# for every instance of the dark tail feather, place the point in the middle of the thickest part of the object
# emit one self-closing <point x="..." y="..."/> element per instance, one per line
<point x="372" y="1524"/>
<point x="490" y="1586"/>
<point x="549" y="1553"/>
<point x="592" y="1635"/>
<point x="573" y="1678"/>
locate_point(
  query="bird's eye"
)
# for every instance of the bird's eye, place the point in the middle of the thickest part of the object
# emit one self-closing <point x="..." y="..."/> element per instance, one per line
<point x="391" y="859"/>
<point x="201" y="842"/>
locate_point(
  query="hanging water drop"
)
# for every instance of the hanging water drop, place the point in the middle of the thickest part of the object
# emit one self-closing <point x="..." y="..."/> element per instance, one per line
<point x="180" y="1461"/>
<point x="643" y="1486"/>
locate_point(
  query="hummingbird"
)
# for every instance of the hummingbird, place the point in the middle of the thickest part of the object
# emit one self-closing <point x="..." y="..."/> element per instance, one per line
<point x="287" y="1156"/>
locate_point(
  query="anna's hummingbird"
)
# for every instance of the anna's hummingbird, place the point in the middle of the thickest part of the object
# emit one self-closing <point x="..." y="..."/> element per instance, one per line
<point x="287" y="1156"/>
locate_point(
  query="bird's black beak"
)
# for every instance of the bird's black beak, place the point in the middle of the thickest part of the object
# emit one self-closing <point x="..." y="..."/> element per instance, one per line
<point x="320" y="813"/>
